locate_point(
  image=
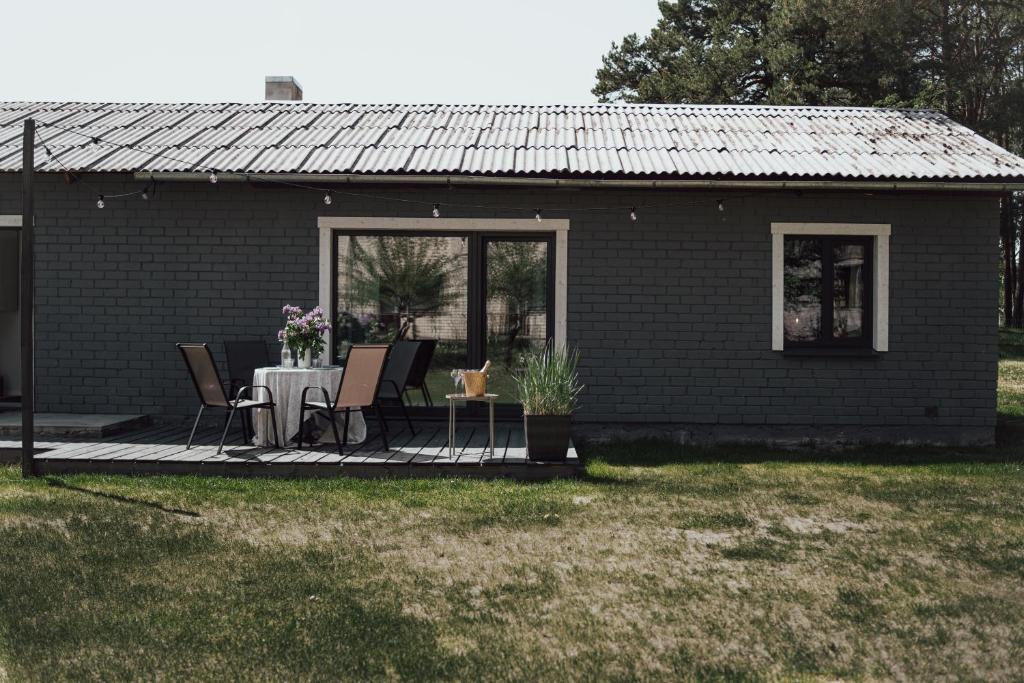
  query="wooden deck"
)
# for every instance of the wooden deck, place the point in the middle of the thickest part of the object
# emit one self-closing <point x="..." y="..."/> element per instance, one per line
<point x="161" y="450"/>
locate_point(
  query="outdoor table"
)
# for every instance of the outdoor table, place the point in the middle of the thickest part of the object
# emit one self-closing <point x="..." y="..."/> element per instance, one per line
<point x="452" y="398"/>
<point x="287" y="385"/>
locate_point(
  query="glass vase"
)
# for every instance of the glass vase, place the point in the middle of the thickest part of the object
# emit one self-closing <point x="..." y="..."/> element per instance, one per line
<point x="286" y="356"/>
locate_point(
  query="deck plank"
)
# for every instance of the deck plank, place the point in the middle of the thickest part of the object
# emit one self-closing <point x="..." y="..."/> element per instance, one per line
<point x="161" y="449"/>
<point x="88" y="450"/>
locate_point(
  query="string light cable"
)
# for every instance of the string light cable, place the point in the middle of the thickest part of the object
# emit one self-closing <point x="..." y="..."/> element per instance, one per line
<point x="631" y="210"/>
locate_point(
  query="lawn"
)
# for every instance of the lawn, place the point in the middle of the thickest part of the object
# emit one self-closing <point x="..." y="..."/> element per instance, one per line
<point x="662" y="563"/>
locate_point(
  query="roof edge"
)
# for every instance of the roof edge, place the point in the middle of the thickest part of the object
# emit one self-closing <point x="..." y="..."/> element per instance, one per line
<point x="749" y="184"/>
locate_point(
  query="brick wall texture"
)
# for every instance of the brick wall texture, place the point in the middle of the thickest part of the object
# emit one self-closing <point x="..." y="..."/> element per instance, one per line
<point x="672" y="313"/>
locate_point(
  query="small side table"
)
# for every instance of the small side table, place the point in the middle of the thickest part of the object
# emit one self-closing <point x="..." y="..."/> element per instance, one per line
<point x="452" y="398"/>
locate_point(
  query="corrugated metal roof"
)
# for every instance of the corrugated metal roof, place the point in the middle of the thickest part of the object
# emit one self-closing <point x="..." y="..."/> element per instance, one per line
<point x="592" y="141"/>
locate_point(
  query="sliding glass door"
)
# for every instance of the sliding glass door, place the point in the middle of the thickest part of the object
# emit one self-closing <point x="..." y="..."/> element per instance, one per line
<point x="479" y="296"/>
<point x="516" y="309"/>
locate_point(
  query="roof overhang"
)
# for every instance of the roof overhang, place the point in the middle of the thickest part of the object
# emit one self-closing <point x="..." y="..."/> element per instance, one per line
<point x="625" y="183"/>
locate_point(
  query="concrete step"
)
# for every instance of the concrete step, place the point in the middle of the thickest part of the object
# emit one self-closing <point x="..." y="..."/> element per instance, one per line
<point x="72" y="424"/>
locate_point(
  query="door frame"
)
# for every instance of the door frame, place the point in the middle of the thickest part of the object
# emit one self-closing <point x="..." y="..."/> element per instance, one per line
<point x="489" y="228"/>
<point x="559" y="226"/>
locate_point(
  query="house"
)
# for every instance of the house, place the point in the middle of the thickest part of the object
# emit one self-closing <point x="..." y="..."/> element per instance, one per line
<point x="727" y="272"/>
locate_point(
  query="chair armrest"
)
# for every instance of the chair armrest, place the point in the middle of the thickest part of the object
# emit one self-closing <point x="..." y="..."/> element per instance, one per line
<point x="250" y="387"/>
<point x="327" y="398"/>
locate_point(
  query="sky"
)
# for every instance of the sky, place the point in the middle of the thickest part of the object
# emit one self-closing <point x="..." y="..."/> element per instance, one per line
<point x="401" y="51"/>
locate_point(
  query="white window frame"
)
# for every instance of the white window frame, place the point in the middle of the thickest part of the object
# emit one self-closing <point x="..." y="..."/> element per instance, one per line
<point x="880" y="280"/>
<point x="328" y="224"/>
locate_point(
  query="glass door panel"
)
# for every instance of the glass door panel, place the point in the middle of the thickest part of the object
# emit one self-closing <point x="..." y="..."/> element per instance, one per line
<point x="517" y="311"/>
<point x="391" y="287"/>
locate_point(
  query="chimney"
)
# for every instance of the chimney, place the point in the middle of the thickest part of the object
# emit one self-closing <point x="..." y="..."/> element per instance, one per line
<point x="283" y="88"/>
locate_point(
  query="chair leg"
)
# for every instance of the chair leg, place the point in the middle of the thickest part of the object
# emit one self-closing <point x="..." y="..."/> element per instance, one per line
<point x="427" y="398"/>
<point x="195" y="425"/>
<point x="302" y="423"/>
<point x="405" y="412"/>
<point x="344" y="439"/>
<point x="245" y="415"/>
<point x="334" y="428"/>
<point x="273" y="422"/>
<point x="227" y="426"/>
<point x="383" y="425"/>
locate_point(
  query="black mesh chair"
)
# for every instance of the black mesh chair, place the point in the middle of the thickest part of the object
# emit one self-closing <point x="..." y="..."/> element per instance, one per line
<point x="396" y="375"/>
<point x="420" y="366"/>
<point x="243" y="359"/>
<point x="206" y="379"/>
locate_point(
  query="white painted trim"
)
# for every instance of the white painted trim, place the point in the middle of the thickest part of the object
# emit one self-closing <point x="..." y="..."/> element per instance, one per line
<point x="445" y="224"/>
<point x="852" y="229"/>
<point x="778" y="290"/>
<point x="10" y="220"/>
<point x="324" y="285"/>
<point x="880" y="285"/>
<point x="559" y="226"/>
<point x="561" y="287"/>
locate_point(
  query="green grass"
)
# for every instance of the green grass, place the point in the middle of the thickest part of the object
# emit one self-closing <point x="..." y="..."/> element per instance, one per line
<point x="662" y="563"/>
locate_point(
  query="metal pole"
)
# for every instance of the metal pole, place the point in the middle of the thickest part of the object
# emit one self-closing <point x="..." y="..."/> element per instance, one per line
<point x="28" y="388"/>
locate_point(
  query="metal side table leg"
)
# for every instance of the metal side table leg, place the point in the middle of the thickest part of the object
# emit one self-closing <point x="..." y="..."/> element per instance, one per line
<point x="451" y="428"/>
<point x="492" y="429"/>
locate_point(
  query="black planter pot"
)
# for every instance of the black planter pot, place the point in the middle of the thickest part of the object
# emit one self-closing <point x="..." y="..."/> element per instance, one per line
<point x="547" y="436"/>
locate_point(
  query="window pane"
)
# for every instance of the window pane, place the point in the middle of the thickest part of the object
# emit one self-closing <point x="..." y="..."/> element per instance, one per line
<point x="516" y="308"/>
<point x="407" y="287"/>
<point x="848" y="291"/>
<point x="802" y="276"/>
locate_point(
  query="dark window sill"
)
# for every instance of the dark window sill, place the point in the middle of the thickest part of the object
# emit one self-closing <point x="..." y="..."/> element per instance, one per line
<point x="824" y="351"/>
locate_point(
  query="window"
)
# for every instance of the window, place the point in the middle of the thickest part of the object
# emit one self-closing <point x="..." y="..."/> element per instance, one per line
<point x="826" y="291"/>
<point x="830" y="286"/>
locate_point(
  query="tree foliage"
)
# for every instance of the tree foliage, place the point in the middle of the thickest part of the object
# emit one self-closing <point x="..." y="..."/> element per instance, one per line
<point x="516" y="275"/>
<point x="405" y="277"/>
<point x="965" y="59"/>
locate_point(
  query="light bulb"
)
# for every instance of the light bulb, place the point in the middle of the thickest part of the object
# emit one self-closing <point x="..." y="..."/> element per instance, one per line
<point x="632" y="214"/>
<point x="537" y="215"/>
<point x="436" y="212"/>
<point x="721" y="205"/>
<point x="213" y="177"/>
<point x="100" y="203"/>
<point x="327" y="199"/>
<point x="145" y="195"/>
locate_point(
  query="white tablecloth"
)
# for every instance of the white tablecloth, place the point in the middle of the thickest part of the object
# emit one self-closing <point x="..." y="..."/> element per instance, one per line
<point x="287" y="385"/>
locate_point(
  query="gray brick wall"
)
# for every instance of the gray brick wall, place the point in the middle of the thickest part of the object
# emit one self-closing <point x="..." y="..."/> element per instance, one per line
<point x="672" y="313"/>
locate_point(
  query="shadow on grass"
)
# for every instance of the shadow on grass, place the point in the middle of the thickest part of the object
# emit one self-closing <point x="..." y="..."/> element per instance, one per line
<point x="61" y="484"/>
<point x="657" y="453"/>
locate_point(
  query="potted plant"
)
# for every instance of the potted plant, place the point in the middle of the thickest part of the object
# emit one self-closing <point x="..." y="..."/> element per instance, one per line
<point x="303" y="332"/>
<point x="548" y="387"/>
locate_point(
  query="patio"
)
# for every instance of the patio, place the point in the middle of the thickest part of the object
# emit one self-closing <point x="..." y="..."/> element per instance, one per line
<point x="161" y="450"/>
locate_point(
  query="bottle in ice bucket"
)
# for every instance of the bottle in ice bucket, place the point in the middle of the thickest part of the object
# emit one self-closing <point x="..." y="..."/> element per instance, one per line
<point x="476" y="380"/>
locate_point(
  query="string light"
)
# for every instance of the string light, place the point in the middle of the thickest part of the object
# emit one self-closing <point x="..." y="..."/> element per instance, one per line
<point x="150" y="190"/>
<point x="99" y="202"/>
